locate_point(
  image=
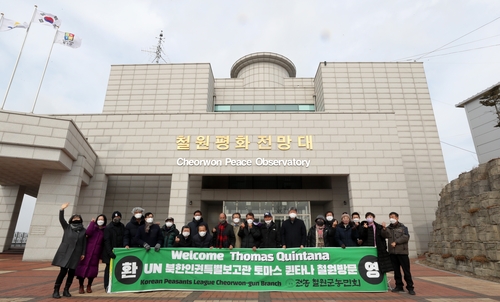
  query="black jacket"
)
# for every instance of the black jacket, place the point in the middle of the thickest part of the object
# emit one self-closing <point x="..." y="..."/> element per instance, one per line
<point x="169" y="235"/>
<point x="228" y="232"/>
<point x="366" y="234"/>
<point x="131" y="230"/>
<point x="184" y="242"/>
<point x="193" y="225"/>
<point x="199" y="241"/>
<point x="249" y="237"/>
<point x="293" y="234"/>
<point x="346" y="235"/>
<point x="153" y="237"/>
<point x="113" y="237"/>
<point x="311" y="236"/>
<point x="270" y="237"/>
<point x="72" y="247"/>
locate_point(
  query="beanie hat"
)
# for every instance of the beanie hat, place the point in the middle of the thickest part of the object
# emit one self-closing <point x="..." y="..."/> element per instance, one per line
<point x="115" y="214"/>
<point x="320" y="217"/>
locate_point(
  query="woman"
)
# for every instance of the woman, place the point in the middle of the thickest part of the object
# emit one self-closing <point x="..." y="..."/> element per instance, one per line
<point x="184" y="238"/>
<point x="70" y="252"/>
<point x="318" y="233"/>
<point x="346" y="234"/>
<point x="89" y="267"/>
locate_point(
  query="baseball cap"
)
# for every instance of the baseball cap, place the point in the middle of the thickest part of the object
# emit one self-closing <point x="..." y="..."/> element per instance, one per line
<point x="267" y="214"/>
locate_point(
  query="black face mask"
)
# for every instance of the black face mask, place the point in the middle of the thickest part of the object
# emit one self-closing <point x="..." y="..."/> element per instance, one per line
<point x="76" y="222"/>
<point x="116" y="220"/>
<point x="320" y="223"/>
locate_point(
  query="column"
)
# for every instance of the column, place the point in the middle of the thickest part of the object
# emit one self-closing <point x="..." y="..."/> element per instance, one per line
<point x="11" y="198"/>
<point x="179" y="192"/>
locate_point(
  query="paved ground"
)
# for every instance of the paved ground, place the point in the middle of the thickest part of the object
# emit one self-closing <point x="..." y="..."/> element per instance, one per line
<point x="33" y="281"/>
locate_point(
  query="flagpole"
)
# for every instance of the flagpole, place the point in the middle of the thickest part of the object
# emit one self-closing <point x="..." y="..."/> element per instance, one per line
<point x="17" y="61"/>
<point x="43" y="75"/>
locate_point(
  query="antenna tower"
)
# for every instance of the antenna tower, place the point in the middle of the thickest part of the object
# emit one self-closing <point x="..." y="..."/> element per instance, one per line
<point x="158" y="50"/>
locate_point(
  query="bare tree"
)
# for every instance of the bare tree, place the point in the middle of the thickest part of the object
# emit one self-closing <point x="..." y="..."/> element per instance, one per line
<point x="492" y="99"/>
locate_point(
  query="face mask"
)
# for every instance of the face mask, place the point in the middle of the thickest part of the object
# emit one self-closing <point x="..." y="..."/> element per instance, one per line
<point x="185" y="234"/>
<point x="320" y="222"/>
<point x="76" y="222"/>
<point x="149" y="220"/>
<point x="236" y="220"/>
<point x="292" y="215"/>
<point x="197" y="218"/>
<point x="100" y="222"/>
<point x="392" y="220"/>
<point x="249" y="221"/>
<point x="222" y="220"/>
<point x="202" y="234"/>
<point x="369" y="220"/>
<point x="268" y="221"/>
<point x="329" y="218"/>
<point x="117" y="220"/>
<point x="168" y="224"/>
<point x="138" y="216"/>
<point x="355" y="220"/>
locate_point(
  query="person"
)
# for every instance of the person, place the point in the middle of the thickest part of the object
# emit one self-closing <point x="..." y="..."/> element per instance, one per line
<point x="270" y="233"/>
<point x="293" y="231"/>
<point x="70" y="252"/>
<point x="318" y="233"/>
<point x="249" y="232"/>
<point x="149" y="234"/>
<point x="223" y="234"/>
<point x="355" y="218"/>
<point x="197" y="221"/>
<point x="398" y="237"/>
<point x="331" y="224"/>
<point x="89" y="267"/>
<point x="132" y="226"/>
<point x="345" y="235"/>
<point x="202" y="239"/>
<point x="169" y="232"/>
<point x="184" y="238"/>
<point x="114" y="233"/>
<point x="236" y="228"/>
<point x="370" y="234"/>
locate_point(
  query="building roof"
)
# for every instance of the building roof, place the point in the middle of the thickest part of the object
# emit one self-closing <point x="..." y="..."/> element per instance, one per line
<point x="266" y="57"/>
<point x="476" y="96"/>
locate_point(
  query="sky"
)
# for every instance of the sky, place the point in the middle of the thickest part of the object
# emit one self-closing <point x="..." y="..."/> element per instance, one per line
<point x="466" y="35"/>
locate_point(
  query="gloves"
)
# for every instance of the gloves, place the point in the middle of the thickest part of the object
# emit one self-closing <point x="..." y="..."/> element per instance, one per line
<point x="113" y="255"/>
<point x="157" y="247"/>
<point x="343" y="246"/>
<point x="147" y="247"/>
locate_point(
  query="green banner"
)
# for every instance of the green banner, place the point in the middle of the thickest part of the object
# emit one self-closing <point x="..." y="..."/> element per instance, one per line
<point x="300" y="270"/>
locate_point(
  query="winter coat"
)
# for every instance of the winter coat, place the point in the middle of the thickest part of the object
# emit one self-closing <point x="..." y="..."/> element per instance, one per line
<point x="72" y="247"/>
<point x="184" y="242"/>
<point x="366" y="234"/>
<point x="169" y="235"/>
<point x="397" y="233"/>
<point x="193" y="225"/>
<point x="89" y="266"/>
<point x="311" y="236"/>
<point x="346" y="235"/>
<point x="228" y="232"/>
<point x="199" y="241"/>
<point x="153" y="237"/>
<point x="330" y="236"/>
<point x="250" y="237"/>
<point x="131" y="231"/>
<point x="270" y="237"/>
<point x="114" y="235"/>
<point x="293" y="234"/>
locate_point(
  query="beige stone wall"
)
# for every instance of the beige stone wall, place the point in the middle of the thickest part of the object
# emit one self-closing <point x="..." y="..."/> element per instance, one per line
<point x="466" y="233"/>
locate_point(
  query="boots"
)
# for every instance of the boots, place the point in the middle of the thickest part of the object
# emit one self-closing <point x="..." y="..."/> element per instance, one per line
<point x="89" y="288"/>
<point x="66" y="292"/>
<point x="80" y="290"/>
<point x="56" y="295"/>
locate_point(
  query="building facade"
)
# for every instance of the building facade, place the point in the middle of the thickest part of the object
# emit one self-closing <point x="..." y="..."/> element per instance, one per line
<point x="173" y="139"/>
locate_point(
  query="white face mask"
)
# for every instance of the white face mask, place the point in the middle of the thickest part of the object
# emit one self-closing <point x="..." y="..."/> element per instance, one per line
<point x="197" y="218"/>
<point x="185" y="234"/>
<point x="168" y="224"/>
<point x="202" y="234"/>
<point x="392" y="220"/>
<point x="268" y="221"/>
<point x="329" y="218"/>
<point x="355" y="220"/>
<point x="236" y="220"/>
<point x="100" y="222"/>
<point x="369" y="219"/>
<point x="138" y="215"/>
<point x="149" y="220"/>
<point x="292" y="215"/>
<point x="249" y="221"/>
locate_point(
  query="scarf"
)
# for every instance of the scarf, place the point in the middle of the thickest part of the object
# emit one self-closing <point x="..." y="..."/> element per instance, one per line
<point x="221" y="237"/>
<point x="320" y="242"/>
<point x="148" y="225"/>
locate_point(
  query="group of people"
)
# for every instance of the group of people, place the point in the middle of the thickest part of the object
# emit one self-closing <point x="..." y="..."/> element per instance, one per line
<point x="82" y="248"/>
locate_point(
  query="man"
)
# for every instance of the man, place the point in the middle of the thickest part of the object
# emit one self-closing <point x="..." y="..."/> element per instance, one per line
<point x="131" y="228"/>
<point x="202" y="239"/>
<point x="197" y="221"/>
<point x="293" y="231"/>
<point x="398" y="237"/>
<point x="169" y="232"/>
<point x="114" y="234"/>
<point x="223" y="234"/>
<point x="236" y="228"/>
<point x="270" y="233"/>
<point x="149" y="234"/>
<point x="331" y="225"/>
<point x="249" y="233"/>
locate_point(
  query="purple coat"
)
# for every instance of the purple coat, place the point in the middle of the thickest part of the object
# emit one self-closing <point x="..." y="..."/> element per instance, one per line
<point x="89" y="267"/>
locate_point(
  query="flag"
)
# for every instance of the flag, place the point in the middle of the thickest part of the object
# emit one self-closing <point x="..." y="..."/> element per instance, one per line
<point x="8" y="24"/>
<point x="46" y="19"/>
<point x="68" y="39"/>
